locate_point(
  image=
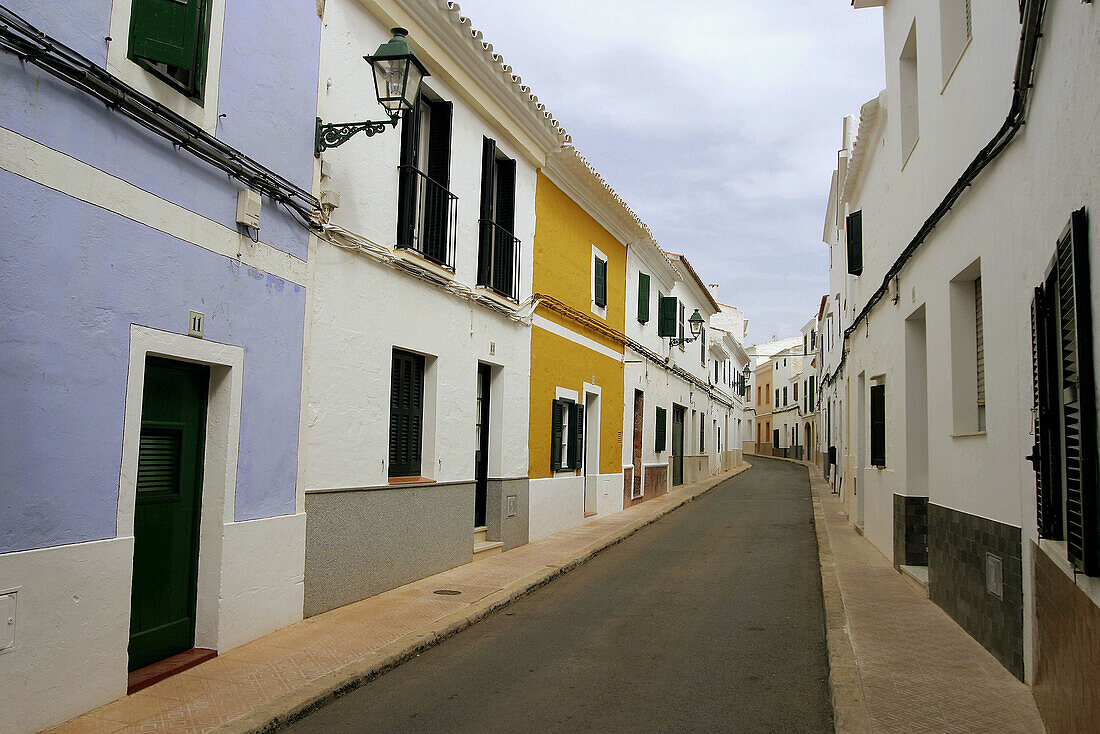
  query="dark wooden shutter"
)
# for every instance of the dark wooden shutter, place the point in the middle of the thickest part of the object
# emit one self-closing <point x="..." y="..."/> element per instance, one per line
<point x="878" y="425"/>
<point x="600" y="295"/>
<point x="555" y="435"/>
<point x="1047" y="446"/>
<point x="703" y="346"/>
<point x="504" y="244"/>
<point x="159" y="452"/>
<point x="659" y="430"/>
<point x="407" y="179"/>
<point x="488" y="204"/>
<point x="166" y="31"/>
<point x="643" y="298"/>
<point x="438" y="171"/>
<point x="576" y="435"/>
<point x="1078" y="396"/>
<point x="406" y="413"/>
<point x="855" y="243"/>
<point x="666" y="316"/>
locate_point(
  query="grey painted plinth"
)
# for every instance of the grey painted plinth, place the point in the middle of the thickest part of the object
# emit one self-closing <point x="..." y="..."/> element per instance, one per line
<point x="513" y="530"/>
<point x="362" y="542"/>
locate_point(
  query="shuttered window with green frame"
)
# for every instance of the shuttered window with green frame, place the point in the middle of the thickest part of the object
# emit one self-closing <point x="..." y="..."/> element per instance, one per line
<point x="659" y="430"/>
<point x="643" y="298"/>
<point x="170" y="39"/>
<point x="599" y="282"/>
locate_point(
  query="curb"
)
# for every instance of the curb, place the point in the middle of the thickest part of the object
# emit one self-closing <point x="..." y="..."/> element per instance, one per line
<point x="298" y="704"/>
<point x="845" y="685"/>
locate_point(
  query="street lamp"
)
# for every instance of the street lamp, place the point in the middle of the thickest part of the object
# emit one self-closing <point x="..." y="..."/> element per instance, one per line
<point x="397" y="77"/>
<point x="696" y="325"/>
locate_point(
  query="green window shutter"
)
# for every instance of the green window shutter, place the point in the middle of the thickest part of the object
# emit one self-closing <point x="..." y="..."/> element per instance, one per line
<point x="643" y="297"/>
<point x="576" y="435"/>
<point x="166" y="31"/>
<point x="666" y="316"/>
<point x="659" y="430"/>
<point x="406" y="414"/>
<point x="488" y="202"/>
<point x="555" y="436"/>
<point x="600" y="295"/>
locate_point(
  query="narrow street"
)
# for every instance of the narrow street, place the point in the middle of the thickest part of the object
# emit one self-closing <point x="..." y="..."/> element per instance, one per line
<point x="708" y="620"/>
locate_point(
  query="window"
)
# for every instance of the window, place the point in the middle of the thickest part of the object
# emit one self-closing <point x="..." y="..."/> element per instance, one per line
<point x="666" y="316"/>
<point x="703" y="346"/>
<point x="170" y="38"/>
<point x="426" y="210"/>
<point x="498" y="253"/>
<point x="854" y="233"/>
<point x="967" y="351"/>
<point x="1064" y="456"/>
<point x="878" y="425"/>
<point x="777" y="397"/>
<point x="795" y="397"/>
<point x="955" y="33"/>
<point x="406" y="414"/>
<point x="659" y="431"/>
<point x="910" y="119"/>
<point x="643" y="298"/>
<point x="599" y="282"/>
<point x="566" y="435"/>
<point x="784" y="395"/>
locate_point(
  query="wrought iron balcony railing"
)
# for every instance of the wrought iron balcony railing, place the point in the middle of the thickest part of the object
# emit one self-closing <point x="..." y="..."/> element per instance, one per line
<point x="427" y="217"/>
<point x="498" y="260"/>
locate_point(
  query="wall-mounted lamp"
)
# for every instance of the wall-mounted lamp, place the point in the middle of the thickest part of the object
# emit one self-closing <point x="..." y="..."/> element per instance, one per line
<point x="696" y="325"/>
<point x="397" y="77"/>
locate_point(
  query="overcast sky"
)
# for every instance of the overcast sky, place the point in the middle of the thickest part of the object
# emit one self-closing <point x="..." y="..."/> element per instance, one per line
<point x="717" y="121"/>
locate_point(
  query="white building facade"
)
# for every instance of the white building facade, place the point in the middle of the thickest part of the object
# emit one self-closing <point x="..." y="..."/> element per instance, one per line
<point x="417" y="372"/>
<point x="942" y="369"/>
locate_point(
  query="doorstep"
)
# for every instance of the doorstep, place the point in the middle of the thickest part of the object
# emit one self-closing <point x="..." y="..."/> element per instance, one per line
<point x="158" y="671"/>
<point x="917" y="577"/>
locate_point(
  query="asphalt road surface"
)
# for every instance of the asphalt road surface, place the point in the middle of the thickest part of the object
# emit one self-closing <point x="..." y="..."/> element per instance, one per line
<point x="709" y="620"/>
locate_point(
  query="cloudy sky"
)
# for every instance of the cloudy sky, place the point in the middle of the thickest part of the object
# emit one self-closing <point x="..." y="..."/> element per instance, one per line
<point x="717" y="121"/>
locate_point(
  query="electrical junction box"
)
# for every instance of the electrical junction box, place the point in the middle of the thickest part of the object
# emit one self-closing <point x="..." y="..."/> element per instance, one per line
<point x="248" y="208"/>
<point x="7" y="620"/>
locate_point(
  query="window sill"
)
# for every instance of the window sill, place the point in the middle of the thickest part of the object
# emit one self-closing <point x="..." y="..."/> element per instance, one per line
<point x="487" y="292"/>
<point x="419" y="261"/>
<point x="968" y="435"/>
<point x="411" y="480"/>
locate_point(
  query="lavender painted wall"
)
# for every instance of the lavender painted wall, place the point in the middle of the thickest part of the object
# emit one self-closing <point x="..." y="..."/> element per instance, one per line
<point x="267" y="92"/>
<point x="73" y="277"/>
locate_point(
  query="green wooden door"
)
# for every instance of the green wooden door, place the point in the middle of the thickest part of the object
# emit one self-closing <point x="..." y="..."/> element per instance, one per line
<point x="166" y="521"/>
<point x="677" y="445"/>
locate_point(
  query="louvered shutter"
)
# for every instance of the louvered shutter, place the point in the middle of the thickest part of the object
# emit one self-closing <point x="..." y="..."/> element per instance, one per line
<point x="643" y="298"/>
<point x="407" y="178"/>
<point x="666" y="316"/>
<point x="166" y="31"/>
<point x="505" y="217"/>
<point x="659" y="430"/>
<point x="576" y="431"/>
<point x="1048" y="495"/>
<point x="159" y="451"/>
<point x="555" y="435"/>
<point x="878" y="425"/>
<point x="406" y="414"/>
<point x="854" y="231"/>
<point x="703" y="346"/>
<point x="436" y="197"/>
<point x="600" y="283"/>
<point x="1078" y="396"/>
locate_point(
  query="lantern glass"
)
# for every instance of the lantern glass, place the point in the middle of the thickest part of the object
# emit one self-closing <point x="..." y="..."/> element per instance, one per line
<point x="696" y="323"/>
<point x="397" y="73"/>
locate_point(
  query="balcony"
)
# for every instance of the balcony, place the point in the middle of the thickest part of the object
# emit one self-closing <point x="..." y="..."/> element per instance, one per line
<point x="498" y="260"/>
<point x="427" y="218"/>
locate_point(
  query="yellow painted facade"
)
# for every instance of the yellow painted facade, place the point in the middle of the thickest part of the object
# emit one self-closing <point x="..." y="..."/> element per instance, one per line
<point x="564" y="237"/>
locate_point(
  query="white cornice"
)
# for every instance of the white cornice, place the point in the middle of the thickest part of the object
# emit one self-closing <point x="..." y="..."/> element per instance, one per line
<point x="453" y="51"/>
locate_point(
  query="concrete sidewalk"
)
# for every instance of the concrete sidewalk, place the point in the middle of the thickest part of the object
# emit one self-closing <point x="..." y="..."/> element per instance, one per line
<point x="278" y="678"/>
<point x="898" y="662"/>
